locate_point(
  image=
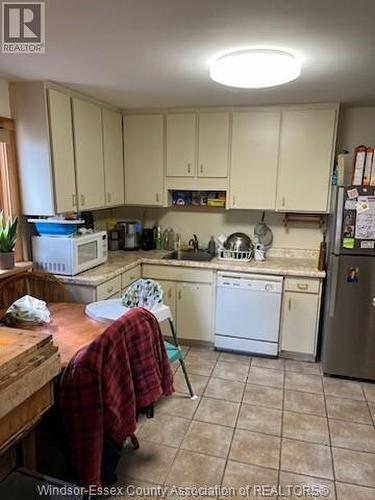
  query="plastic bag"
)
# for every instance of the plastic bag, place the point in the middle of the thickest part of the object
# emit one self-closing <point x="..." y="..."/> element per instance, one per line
<point x="28" y="309"/>
<point x="143" y="293"/>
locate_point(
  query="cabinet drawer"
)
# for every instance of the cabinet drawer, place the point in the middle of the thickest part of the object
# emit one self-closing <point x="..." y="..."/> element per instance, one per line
<point x="177" y="273"/>
<point x="108" y="288"/>
<point x="306" y="285"/>
<point x="129" y="276"/>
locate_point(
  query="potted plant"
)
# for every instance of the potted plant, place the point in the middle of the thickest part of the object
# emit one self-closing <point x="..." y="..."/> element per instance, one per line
<point x="8" y="237"/>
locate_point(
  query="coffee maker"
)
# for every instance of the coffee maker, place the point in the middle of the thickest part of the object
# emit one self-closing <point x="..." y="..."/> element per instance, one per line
<point x="130" y="234"/>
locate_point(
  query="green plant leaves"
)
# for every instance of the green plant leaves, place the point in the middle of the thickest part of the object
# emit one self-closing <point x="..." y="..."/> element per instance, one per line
<point x="8" y="233"/>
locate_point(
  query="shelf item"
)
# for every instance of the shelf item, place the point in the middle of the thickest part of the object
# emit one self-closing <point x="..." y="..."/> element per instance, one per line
<point x="214" y="199"/>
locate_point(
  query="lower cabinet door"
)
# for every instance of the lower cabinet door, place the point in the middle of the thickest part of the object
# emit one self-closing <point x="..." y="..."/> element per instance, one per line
<point x="194" y="311"/>
<point x="299" y="322"/>
<point x="169" y="299"/>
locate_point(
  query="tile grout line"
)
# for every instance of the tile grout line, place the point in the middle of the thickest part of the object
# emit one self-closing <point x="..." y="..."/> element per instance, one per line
<point x="235" y="423"/>
<point x="282" y="427"/>
<point x="330" y="439"/>
<point x="368" y="405"/>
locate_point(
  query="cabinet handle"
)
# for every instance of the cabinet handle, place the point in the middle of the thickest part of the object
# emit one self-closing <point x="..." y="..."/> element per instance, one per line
<point x="179" y="295"/>
<point x="74" y="200"/>
<point x="169" y="293"/>
<point x="289" y="304"/>
<point x="189" y="168"/>
<point x="201" y="168"/>
<point x="234" y="201"/>
<point x="82" y="199"/>
<point x="302" y="286"/>
<point x="283" y="202"/>
<point x="109" y="197"/>
<point x="110" y="289"/>
<point x="157" y="198"/>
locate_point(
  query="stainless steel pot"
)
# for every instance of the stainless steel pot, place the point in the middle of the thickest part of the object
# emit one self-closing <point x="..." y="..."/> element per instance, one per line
<point x="239" y="242"/>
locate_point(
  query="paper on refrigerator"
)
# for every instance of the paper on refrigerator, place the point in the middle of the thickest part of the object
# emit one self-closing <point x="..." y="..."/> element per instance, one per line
<point x="365" y="223"/>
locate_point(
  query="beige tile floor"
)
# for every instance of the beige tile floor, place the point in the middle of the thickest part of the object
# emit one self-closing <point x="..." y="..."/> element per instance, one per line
<point x="258" y="421"/>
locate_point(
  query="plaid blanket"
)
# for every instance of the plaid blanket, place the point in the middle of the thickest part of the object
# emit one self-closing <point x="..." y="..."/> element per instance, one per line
<point x="124" y="369"/>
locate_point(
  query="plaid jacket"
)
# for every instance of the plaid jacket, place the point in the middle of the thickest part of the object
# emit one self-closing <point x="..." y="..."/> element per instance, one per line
<point x="124" y="369"/>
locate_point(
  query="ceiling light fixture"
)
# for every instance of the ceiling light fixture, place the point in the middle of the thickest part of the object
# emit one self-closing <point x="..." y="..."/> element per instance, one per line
<point x="255" y="68"/>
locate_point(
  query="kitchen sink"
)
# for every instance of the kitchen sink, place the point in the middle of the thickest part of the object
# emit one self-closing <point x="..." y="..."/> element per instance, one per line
<point x="199" y="256"/>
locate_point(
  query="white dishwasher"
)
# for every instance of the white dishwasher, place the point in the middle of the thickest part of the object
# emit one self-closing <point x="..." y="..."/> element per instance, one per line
<point x="247" y="315"/>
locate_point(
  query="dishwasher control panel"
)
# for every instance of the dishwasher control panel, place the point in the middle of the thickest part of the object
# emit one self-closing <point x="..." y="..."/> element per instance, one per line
<point x="259" y="283"/>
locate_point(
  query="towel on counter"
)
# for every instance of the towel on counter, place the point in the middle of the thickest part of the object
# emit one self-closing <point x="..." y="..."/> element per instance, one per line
<point x="126" y="368"/>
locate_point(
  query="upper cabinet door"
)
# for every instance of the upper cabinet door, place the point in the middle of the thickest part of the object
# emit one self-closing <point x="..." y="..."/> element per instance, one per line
<point x="181" y="144"/>
<point x="113" y="157"/>
<point x="144" y="167"/>
<point x="88" y="141"/>
<point x="254" y="157"/>
<point x="62" y="150"/>
<point x="213" y="144"/>
<point x="305" y="161"/>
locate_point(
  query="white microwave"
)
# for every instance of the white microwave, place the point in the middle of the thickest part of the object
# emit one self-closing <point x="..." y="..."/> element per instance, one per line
<point x="69" y="255"/>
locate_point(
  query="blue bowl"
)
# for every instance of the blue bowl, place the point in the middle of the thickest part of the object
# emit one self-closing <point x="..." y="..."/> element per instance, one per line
<point x="55" y="229"/>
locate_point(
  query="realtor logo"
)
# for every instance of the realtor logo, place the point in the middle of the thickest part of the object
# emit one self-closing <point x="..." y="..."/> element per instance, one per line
<point x="23" y="28"/>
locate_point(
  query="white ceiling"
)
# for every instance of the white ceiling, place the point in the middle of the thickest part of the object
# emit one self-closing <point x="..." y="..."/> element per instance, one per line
<point x="155" y="53"/>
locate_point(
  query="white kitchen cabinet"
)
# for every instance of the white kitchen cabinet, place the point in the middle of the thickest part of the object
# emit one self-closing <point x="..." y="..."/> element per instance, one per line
<point x="169" y="299"/>
<point x="113" y="157"/>
<point x="144" y="159"/>
<point x="88" y="143"/>
<point x="307" y="143"/>
<point x="181" y="144"/>
<point x="62" y="150"/>
<point x="194" y="311"/>
<point x="254" y="159"/>
<point x="189" y="291"/>
<point x="300" y="317"/>
<point x="213" y="146"/>
<point x="128" y="277"/>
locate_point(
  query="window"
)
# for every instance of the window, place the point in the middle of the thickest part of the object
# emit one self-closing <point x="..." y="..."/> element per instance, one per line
<point x="9" y="188"/>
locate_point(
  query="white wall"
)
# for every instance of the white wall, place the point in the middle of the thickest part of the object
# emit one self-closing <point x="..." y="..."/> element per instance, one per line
<point x="4" y="99"/>
<point x="356" y="126"/>
<point x="206" y="224"/>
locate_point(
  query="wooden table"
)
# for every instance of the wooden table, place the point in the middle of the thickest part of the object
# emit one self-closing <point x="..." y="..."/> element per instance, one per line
<point x="70" y="328"/>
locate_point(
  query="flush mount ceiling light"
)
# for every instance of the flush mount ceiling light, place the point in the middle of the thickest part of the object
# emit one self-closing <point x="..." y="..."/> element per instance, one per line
<point x="255" y="68"/>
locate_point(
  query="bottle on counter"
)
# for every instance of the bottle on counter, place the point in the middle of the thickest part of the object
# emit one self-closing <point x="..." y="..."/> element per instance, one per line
<point x="159" y="239"/>
<point x="212" y="246"/>
<point x="165" y="241"/>
<point x="171" y="240"/>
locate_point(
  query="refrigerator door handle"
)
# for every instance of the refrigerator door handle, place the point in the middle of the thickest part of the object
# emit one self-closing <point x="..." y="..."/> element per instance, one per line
<point x="373" y="302"/>
<point x="333" y="292"/>
<point x="338" y="220"/>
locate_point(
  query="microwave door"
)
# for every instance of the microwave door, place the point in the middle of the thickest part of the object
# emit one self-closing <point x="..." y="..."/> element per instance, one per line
<point x="86" y="255"/>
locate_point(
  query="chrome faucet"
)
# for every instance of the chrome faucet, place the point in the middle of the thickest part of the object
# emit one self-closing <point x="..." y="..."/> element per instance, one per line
<point x="194" y="243"/>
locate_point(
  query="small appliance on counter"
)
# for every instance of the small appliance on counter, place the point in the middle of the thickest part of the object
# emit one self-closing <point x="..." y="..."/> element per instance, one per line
<point x="113" y="240"/>
<point x="130" y="234"/>
<point x="69" y="255"/>
<point x="147" y="239"/>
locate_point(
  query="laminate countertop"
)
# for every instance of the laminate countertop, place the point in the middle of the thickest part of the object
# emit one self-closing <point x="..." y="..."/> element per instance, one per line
<point x="300" y="263"/>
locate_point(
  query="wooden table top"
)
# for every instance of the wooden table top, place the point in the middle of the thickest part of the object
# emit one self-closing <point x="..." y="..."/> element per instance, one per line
<point x="70" y="328"/>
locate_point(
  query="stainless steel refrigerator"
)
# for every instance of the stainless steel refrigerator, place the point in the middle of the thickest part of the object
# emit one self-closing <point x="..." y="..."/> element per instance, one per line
<point x="348" y="347"/>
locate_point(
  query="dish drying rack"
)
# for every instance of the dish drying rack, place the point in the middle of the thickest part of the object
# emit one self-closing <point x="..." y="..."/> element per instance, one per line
<point x="224" y="254"/>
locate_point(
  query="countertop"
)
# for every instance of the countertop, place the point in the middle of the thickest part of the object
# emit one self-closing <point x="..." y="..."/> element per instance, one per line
<point x="303" y="263"/>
